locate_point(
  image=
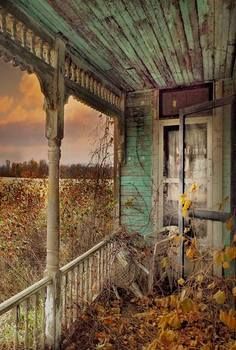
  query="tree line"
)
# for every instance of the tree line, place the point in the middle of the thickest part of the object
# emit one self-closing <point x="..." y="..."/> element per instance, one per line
<point x="34" y="169"/>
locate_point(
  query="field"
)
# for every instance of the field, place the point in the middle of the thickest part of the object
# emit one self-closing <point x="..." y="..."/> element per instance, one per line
<point x="86" y="216"/>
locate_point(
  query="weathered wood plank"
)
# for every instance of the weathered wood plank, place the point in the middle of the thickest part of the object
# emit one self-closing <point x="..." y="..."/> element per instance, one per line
<point x="190" y="20"/>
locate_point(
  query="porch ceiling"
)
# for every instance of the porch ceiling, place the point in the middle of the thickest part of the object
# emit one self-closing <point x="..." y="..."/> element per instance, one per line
<point x="145" y="43"/>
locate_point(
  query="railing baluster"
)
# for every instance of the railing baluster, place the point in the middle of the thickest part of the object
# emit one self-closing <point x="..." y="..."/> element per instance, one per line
<point x="86" y="281"/>
<point x="65" y="300"/>
<point x="77" y="290"/>
<point x="101" y="268"/>
<point x="81" y="285"/>
<point x="17" y="312"/>
<point x="104" y="264"/>
<point x="35" y="333"/>
<point x="98" y="273"/>
<point x="43" y="318"/>
<point x="90" y="292"/>
<point x="26" y="338"/>
<point x="71" y="296"/>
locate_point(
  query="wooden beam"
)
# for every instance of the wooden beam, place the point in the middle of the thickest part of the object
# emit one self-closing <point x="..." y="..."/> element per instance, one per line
<point x="205" y="214"/>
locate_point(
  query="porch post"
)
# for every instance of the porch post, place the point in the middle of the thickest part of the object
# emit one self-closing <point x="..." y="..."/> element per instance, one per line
<point x="119" y="159"/>
<point x="54" y="98"/>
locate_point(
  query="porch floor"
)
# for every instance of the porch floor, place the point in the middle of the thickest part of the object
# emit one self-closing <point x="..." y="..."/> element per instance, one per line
<point x="151" y="323"/>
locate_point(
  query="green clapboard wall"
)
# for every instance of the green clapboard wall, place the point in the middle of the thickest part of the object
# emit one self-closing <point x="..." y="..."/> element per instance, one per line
<point x="136" y="172"/>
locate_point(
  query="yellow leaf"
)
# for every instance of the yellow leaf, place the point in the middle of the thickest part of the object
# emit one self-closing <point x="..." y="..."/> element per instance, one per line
<point x="192" y="252"/>
<point x="164" y="262"/>
<point x="226" y="265"/>
<point x="218" y="257"/>
<point x="219" y="297"/>
<point x="164" y="321"/>
<point x="199" y="278"/>
<point x="187" y="204"/>
<point x="229" y="223"/>
<point x="167" y="337"/>
<point x="186" y="305"/>
<point x="193" y="188"/>
<point x="181" y="282"/>
<point x="230" y="253"/>
<point x="184" y="212"/>
<point x="174" y="321"/>
<point x="183" y="198"/>
<point x="234" y="291"/>
<point x="228" y="318"/>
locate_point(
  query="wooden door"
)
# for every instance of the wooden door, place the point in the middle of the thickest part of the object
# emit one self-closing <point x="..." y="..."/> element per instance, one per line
<point x="198" y="165"/>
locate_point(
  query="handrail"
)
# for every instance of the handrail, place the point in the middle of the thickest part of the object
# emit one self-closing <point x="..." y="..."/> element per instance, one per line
<point x="78" y="283"/>
<point x="66" y="268"/>
<point x="8" y="304"/>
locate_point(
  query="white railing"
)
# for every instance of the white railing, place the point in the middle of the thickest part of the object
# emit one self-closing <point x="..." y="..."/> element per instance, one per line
<point x="83" y="279"/>
<point x="23" y="318"/>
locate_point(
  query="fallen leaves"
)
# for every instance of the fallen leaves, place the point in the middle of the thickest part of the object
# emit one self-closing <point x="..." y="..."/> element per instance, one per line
<point x="219" y="297"/>
<point x="229" y="319"/>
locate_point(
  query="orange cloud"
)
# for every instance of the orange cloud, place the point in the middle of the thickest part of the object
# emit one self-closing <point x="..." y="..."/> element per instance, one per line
<point x="22" y="121"/>
<point x="6" y="103"/>
<point x="32" y="96"/>
<point x="28" y="107"/>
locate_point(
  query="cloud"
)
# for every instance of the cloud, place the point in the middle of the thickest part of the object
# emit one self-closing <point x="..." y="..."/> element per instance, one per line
<point x="6" y="103"/>
<point x="32" y="96"/>
<point x="22" y="126"/>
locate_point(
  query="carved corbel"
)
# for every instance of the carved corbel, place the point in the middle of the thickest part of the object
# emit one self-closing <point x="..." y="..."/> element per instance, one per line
<point x="55" y="95"/>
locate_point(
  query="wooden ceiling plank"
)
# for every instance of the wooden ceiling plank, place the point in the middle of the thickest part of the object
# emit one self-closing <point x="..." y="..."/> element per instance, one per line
<point x="103" y="31"/>
<point x="191" y="26"/>
<point x="127" y="24"/>
<point x="41" y="12"/>
<point x="153" y="45"/>
<point x="167" y="37"/>
<point x="182" y="39"/>
<point x="217" y="37"/>
<point x="130" y="83"/>
<point x="203" y="10"/>
<point x="113" y="43"/>
<point x="95" y="32"/>
<point x="171" y="17"/>
<point x="138" y="31"/>
<point x="231" y="47"/>
<point x="211" y="37"/>
<point x="127" y="42"/>
<point x="225" y="36"/>
<point x="162" y="43"/>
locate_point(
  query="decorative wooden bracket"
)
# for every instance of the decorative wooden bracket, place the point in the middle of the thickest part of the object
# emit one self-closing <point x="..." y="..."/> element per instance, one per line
<point x="55" y="97"/>
<point x="22" y="45"/>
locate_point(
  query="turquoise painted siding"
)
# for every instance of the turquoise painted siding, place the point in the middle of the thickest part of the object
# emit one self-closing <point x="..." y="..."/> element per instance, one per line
<point x="136" y="173"/>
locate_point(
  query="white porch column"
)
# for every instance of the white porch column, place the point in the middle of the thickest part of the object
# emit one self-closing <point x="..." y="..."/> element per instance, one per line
<point x="55" y="99"/>
<point x="53" y="215"/>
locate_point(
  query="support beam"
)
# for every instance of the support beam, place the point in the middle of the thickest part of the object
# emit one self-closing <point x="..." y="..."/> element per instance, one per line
<point x="119" y="158"/>
<point x="181" y="187"/>
<point x="204" y="214"/>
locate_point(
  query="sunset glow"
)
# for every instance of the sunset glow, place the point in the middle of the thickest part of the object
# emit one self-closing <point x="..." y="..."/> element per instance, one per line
<point x="22" y="122"/>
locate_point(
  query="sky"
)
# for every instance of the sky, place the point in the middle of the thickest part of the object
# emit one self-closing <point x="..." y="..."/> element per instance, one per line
<point x="22" y="121"/>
